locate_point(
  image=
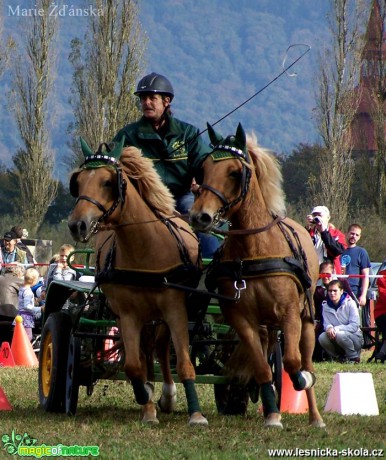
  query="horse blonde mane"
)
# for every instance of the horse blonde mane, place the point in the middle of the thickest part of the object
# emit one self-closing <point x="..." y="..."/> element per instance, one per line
<point x="148" y="182"/>
<point x="268" y="172"/>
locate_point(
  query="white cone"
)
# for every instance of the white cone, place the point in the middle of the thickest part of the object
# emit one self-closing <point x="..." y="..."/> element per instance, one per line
<point x="352" y="393"/>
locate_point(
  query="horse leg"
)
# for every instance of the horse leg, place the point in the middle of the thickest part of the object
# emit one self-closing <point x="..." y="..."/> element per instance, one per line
<point x="292" y="326"/>
<point x="177" y="320"/>
<point x="307" y="342"/>
<point x="136" y="370"/>
<point x="168" y="400"/>
<point x="255" y="347"/>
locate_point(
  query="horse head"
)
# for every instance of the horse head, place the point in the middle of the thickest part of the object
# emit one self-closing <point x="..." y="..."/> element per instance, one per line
<point x="98" y="181"/>
<point x="227" y="172"/>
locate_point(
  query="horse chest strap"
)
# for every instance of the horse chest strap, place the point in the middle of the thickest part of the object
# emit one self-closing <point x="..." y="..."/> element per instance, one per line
<point x="261" y="267"/>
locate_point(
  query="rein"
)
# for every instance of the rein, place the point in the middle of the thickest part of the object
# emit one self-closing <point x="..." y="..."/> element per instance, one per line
<point x="250" y="231"/>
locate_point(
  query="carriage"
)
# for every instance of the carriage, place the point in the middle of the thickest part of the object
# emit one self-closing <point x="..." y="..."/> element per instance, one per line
<point x="77" y="347"/>
<point x="148" y="268"/>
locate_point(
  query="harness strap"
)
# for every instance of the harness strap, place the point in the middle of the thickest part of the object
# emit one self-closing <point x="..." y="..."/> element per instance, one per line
<point x="274" y="266"/>
<point x="181" y="275"/>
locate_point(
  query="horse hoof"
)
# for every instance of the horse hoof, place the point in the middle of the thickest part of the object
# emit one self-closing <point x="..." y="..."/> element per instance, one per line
<point x="197" y="419"/>
<point x="318" y="424"/>
<point x="150" y="420"/>
<point x="273" y="420"/>
<point x="167" y="404"/>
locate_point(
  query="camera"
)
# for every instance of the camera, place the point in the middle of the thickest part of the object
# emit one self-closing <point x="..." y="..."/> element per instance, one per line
<point x="316" y="220"/>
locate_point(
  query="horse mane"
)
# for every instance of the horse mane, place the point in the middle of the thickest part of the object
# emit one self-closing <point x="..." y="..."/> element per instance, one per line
<point x="147" y="181"/>
<point x="268" y="172"/>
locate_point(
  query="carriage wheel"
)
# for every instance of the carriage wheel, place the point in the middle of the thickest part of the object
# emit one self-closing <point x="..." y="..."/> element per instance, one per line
<point x="53" y="361"/>
<point x="72" y="375"/>
<point x="275" y="360"/>
<point x="231" y="398"/>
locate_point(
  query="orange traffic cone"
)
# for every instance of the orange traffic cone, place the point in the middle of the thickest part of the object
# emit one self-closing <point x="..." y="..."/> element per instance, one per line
<point x="21" y="347"/>
<point x="292" y="401"/>
<point x="4" y="403"/>
<point x="6" y="356"/>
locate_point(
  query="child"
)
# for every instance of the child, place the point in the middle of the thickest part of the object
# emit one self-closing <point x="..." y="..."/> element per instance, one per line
<point x="26" y="307"/>
<point x="60" y="270"/>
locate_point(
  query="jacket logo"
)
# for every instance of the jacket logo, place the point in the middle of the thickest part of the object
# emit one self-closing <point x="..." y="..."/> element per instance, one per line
<point x="179" y="149"/>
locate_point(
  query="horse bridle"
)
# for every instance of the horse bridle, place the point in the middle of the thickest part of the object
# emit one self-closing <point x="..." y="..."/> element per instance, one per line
<point x="120" y="195"/>
<point x="243" y="156"/>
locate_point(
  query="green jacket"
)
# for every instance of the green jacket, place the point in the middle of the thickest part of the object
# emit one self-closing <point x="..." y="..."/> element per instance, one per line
<point x="177" y="157"/>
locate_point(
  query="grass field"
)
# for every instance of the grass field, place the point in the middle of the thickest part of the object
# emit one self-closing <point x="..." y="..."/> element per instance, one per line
<point x="110" y="418"/>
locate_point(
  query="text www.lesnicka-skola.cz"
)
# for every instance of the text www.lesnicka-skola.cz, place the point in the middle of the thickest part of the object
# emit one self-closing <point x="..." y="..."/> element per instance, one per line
<point x="327" y="452"/>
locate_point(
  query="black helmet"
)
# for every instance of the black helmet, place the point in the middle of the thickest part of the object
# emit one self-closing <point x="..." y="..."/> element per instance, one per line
<point x="155" y="83"/>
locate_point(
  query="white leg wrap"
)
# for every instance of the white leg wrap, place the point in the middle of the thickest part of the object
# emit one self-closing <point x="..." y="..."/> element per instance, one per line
<point x="150" y="389"/>
<point x="168" y="400"/>
<point x="309" y="378"/>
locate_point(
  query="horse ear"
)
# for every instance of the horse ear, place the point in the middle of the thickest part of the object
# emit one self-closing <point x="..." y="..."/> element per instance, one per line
<point x="214" y="137"/>
<point x="74" y="185"/>
<point x="85" y="148"/>
<point x="117" y="150"/>
<point x="241" y="138"/>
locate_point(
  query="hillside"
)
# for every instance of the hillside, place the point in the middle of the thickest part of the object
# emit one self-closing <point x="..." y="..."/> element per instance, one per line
<point x="217" y="54"/>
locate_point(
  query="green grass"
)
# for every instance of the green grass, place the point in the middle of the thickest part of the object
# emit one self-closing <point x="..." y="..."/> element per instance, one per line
<point x="110" y="419"/>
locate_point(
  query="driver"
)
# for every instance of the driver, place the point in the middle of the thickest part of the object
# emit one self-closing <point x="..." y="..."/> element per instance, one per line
<point x="176" y="148"/>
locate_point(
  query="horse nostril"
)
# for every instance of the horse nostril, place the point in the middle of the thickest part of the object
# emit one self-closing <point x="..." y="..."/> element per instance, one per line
<point x="76" y="226"/>
<point x="201" y="221"/>
<point x="205" y="218"/>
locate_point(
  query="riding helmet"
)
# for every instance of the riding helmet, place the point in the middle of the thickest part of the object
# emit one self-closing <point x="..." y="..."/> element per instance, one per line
<point x="155" y="83"/>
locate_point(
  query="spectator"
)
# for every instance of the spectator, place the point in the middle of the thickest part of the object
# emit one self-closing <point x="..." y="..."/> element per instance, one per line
<point x="11" y="253"/>
<point x="357" y="262"/>
<point x="175" y="147"/>
<point x="343" y="338"/>
<point x="10" y="284"/>
<point x="329" y="242"/>
<point x="380" y="315"/>
<point x="320" y="295"/>
<point x="26" y="305"/>
<point x="60" y="270"/>
<point x="22" y="233"/>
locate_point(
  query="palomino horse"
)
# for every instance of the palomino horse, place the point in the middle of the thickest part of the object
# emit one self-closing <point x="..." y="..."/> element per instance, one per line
<point x="140" y="247"/>
<point x="267" y="262"/>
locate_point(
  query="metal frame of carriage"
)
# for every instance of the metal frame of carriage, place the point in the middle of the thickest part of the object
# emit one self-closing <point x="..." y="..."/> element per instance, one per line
<point x="73" y="349"/>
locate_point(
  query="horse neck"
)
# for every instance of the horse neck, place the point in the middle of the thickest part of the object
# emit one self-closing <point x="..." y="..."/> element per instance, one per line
<point x="254" y="214"/>
<point x="142" y="240"/>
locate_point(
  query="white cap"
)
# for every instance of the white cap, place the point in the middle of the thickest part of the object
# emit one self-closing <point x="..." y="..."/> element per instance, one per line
<point x="322" y="210"/>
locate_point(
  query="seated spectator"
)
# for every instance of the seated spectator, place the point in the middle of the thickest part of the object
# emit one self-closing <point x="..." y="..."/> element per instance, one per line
<point x="26" y="304"/>
<point x="343" y="338"/>
<point x="320" y="295"/>
<point x="60" y="270"/>
<point x="380" y="315"/>
<point x="11" y="253"/>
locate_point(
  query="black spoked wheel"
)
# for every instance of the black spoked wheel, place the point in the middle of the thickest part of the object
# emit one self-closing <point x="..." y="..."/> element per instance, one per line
<point x="276" y="362"/>
<point x="231" y="398"/>
<point x="53" y="361"/>
<point x="72" y="375"/>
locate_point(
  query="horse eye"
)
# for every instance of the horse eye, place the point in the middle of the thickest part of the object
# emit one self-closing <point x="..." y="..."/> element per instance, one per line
<point x="108" y="183"/>
<point x="235" y="174"/>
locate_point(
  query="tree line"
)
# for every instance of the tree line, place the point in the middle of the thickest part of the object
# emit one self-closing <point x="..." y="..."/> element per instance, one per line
<point x="108" y="61"/>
